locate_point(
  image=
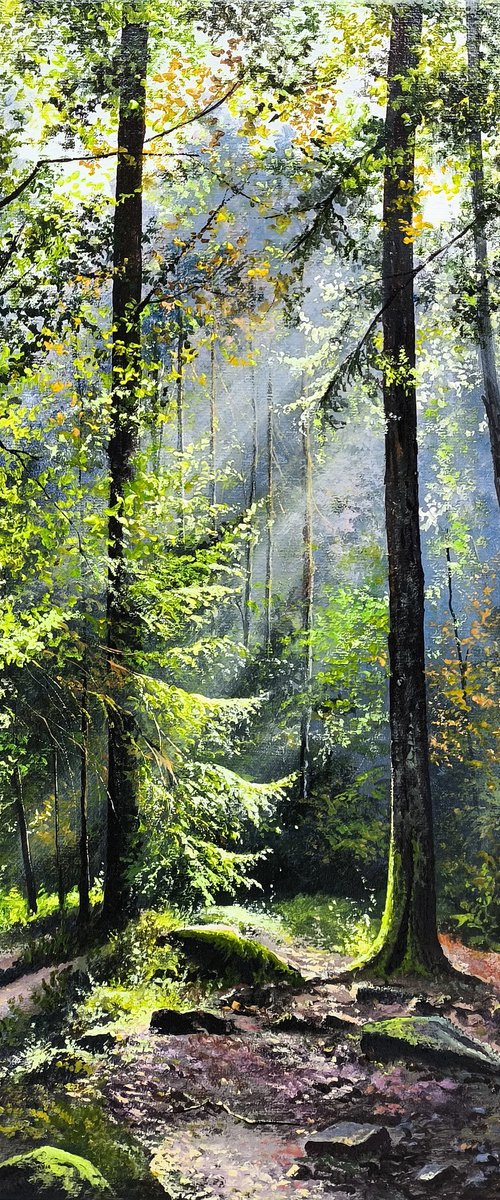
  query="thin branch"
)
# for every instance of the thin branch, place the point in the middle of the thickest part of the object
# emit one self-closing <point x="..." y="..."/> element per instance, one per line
<point x="103" y="154"/>
<point x="353" y="357"/>
<point x="185" y="250"/>
<point x="21" y="187"/>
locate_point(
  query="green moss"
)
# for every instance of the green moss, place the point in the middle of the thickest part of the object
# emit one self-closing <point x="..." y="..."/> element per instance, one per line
<point x="54" y="1171"/>
<point x="425" y="1038"/>
<point x="230" y="958"/>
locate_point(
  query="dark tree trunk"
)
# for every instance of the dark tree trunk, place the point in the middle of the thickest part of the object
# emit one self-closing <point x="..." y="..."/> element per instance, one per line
<point x="213" y="437"/>
<point x="270" y="520"/>
<point x="408" y="938"/>
<point x="122" y="624"/>
<point x="179" y="404"/>
<point x="307" y="599"/>
<point x="252" y="497"/>
<point x="24" y="839"/>
<point x="84" y="860"/>
<point x="57" y="841"/>
<point x="491" y="389"/>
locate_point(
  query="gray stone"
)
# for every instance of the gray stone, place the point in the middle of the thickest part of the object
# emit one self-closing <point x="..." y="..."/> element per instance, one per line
<point x="379" y="994"/>
<point x="171" y="1021"/>
<point x="296" y="1022"/>
<point x="476" y="1184"/>
<point x="427" y="1039"/>
<point x="436" y="1173"/>
<point x="343" y="1022"/>
<point x="349" y="1140"/>
<point x="97" y="1041"/>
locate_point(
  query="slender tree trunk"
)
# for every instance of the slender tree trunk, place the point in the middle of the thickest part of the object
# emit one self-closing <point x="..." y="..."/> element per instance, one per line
<point x="29" y="878"/>
<point x="307" y="599"/>
<point x="122" y="625"/>
<point x="83" y="835"/>
<point x="408" y="938"/>
<point x="213" y="437"/>
<point x="270" y="519"/>
<point x="491" y="389"/>
<point x="84" y="871"/>
<point x="461" y="660"/>
<point x="179" y="404"/>
<point x="156" y="412"/>
<point x="247" y="591"/>
<point x="57" y="842"/>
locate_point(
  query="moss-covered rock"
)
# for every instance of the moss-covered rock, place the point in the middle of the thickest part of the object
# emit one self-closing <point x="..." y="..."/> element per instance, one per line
<point x="48" y="1173"/>
<point x="228" y="957"/>
<point x="427" y="1039"/>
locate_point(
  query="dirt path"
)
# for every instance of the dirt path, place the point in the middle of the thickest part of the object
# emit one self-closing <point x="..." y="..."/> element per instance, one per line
<point x="20" y="992"/>
<point x="227" y="1117"/>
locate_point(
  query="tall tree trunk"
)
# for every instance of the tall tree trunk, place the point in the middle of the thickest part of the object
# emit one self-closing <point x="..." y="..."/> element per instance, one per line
<point x="270" y="519"/>
<point x="307" y="599"/>
<point x="122" y="632"/>
<point x="491" y="389"/>
<point x="57" y="841"/>
<point x="84" y="860"/>
<point x="179" y="404"/>
<point x="408" y="938"/>
<point x="24" y="839"/>
<point x="213" y="437"/>
<point x="83" y="835"/>
<point x="252" y="497"/>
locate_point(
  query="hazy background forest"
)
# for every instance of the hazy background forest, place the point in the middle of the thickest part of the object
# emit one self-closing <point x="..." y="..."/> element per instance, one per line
<point x="254" y="530"/>
<point x="249" y="641"/>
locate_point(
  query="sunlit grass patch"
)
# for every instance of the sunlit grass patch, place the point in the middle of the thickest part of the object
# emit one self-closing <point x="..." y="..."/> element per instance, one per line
<point x="336" y="924"/>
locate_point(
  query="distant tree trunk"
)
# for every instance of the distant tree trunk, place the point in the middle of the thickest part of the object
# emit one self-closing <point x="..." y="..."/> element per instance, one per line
<point x="156" y="411"/>
<point x="179" y="404"/>
<point x="270" y="519"/>
<point x="408" y="938"/>
<point x="57" y="843"/>
<point x="213" y="437"/>
<point x="29" y="878"/>
<point x="307" y="599"/>
<point x="247" y="591"/>
<point x="491" y="396"/>
<point x="84" y="860"/>
<point x="122" y="624"/>
<point x="461" y="660"/>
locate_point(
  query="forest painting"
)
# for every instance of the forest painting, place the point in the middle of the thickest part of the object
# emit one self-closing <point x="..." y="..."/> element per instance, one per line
<point x="249" y="605"/>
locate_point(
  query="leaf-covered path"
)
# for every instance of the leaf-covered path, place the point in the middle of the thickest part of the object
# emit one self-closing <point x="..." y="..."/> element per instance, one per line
<point x="228" y="1116"/>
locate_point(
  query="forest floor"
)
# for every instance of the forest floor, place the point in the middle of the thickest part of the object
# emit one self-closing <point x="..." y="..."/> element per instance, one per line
<point x="226" y="1116"/>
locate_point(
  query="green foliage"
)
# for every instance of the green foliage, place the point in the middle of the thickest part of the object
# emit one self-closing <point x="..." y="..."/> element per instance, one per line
<point x="194" y="831"/>
<point x="336" y="925"/>
<point x="51" y="1170"/>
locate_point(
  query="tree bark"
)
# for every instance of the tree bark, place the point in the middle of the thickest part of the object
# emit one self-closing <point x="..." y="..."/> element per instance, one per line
<point x="122" y="624"/>
<point x="179" y="404"/>
<point x="84" y="861"/>
<point x="270" y="520"/>
<point x="408" y="940"/>
<point x="307" y="599"/>
<point x="247" y="591"/>
<point x="491" y="389"/>
<point x="213" y="437"/>
<point x="29" y="877"/>
<point x="57" y="843"/>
